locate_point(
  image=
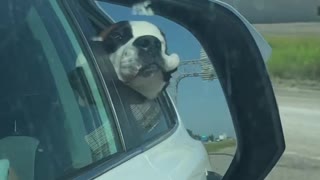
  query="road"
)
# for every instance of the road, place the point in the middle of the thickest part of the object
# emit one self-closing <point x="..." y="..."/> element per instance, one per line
<point x="300" y="116"/>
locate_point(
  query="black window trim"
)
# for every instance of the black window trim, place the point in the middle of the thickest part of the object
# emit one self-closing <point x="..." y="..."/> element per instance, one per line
<point x="102" y="166"/>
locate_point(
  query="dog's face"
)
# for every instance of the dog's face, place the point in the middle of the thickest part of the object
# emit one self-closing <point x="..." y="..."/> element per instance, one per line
<point x="138" y="52"/>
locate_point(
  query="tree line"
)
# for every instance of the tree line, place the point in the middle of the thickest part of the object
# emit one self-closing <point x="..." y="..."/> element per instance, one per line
<point x="211" y="137"/>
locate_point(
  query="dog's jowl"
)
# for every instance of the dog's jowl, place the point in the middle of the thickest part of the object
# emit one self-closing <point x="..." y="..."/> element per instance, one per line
<point x="138" y="52"/>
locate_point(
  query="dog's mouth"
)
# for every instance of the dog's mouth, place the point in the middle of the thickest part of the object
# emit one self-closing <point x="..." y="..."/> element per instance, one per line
<point x="148" y="70"/>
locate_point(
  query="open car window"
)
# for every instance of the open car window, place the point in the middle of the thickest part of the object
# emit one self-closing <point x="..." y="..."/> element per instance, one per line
<point x="140" y="120"/>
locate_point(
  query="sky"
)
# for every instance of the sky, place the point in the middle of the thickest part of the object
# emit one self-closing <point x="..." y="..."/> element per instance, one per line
<point x="201" y="104"/>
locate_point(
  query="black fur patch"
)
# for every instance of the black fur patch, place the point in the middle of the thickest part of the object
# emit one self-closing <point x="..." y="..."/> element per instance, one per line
<point x="118" y="36"/>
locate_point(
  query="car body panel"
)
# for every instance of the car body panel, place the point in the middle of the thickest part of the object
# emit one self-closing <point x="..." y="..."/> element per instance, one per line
<point x="177" y="157"/>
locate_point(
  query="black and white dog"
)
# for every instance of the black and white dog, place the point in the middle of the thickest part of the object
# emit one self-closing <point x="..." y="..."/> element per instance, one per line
<point x="138" y="52"/>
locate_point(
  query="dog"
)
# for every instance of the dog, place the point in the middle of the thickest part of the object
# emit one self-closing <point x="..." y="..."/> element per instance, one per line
<point x="138" y="53"/>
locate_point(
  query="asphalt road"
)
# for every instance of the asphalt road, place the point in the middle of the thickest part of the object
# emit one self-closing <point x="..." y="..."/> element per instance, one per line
<point x="300" y="116"/>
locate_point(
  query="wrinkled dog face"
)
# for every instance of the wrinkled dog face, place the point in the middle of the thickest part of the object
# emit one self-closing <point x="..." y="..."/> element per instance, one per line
<point x="138" y="52"/>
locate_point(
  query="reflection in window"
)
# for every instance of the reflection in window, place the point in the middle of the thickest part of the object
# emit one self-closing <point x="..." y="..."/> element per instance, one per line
<point x="45" y="131"/>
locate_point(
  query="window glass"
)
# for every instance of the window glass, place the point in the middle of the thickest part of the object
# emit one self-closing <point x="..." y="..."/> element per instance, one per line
<point x="48" y="128"/>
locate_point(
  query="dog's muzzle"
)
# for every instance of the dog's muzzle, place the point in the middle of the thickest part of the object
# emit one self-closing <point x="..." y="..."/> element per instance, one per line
<point x="149" y="50"/>
<point x="148" y="44"/>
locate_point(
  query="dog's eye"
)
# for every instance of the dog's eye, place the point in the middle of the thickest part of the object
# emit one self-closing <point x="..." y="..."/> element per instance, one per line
<point x="116" y="36"/>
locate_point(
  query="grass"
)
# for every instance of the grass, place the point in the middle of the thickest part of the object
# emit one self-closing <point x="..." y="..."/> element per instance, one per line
<point x="216" y="146"/>
<point x="295" y="57"/>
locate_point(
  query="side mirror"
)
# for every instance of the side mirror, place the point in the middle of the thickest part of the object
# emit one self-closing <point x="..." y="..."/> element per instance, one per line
<point x="238" y="54"/>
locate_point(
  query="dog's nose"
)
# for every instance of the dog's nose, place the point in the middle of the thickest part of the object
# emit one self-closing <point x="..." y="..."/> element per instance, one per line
<point x="148" y="43"/>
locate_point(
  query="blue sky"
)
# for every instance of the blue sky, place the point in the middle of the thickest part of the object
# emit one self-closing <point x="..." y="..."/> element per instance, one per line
<point x="201" y="104"/>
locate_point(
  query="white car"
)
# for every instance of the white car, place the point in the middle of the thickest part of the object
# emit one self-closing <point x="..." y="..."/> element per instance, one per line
<point x="47" y="133"/>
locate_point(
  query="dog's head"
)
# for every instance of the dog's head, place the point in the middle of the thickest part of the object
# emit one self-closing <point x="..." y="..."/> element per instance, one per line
<point x="138" y="52"/>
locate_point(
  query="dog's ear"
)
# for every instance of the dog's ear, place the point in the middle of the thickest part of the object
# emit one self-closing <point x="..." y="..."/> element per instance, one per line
<point x="172" y="61"/>
<point x="105" y="33"/>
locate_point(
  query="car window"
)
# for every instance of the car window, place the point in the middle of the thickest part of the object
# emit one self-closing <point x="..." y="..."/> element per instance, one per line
<point x="141" y="120"/>
<point x="39" y="102"/>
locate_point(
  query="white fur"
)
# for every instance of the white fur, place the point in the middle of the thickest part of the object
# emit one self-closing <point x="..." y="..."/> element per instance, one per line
<point x="141" y="28"/>
<point x="142" y="9"/>
<point x="125" y="62"/>
<point x="150" y="87"/>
